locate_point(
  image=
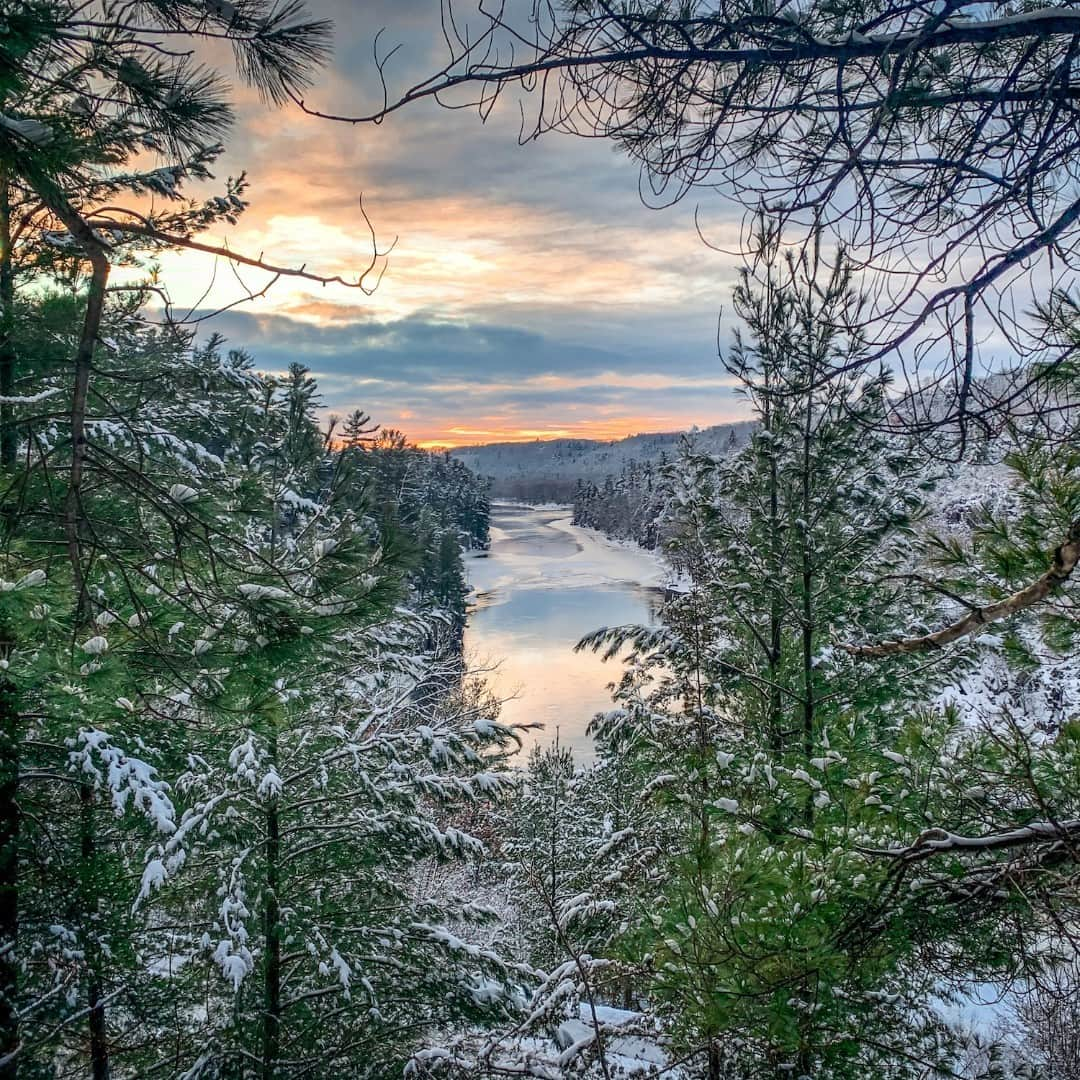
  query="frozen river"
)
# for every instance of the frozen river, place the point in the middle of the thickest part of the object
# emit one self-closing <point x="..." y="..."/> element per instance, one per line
<point x="544" y="584"/>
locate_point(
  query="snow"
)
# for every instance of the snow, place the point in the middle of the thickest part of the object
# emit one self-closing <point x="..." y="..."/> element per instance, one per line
<point x="587" y="559"/>
<point x="31" y="130"/>
<point x="262" y="592"/>
<point x="235" y="967"/>
<point x="270" y="786"/>
<point x="153" y="877"/>
<point x="30" y="399"/>
<point x="344" y="972"/>
<point x="129" y="780"/>
<point x="27" y="581"/>
<point x="564" y="461"/>
<point x="182" y="493"/>
<point x="632" y="1047"/>
<point x="298" y="502"/>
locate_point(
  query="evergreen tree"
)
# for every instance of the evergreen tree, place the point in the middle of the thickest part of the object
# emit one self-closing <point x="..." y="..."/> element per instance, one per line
<point x="92" y="111"/>
<point x="302" y="446"/>
<point x="740" y="706"/>
<point x="564" y="842"/>
<point x="233" y="619"/>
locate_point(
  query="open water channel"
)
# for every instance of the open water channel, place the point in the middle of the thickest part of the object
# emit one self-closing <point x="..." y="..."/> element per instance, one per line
<point x="543" y="584"/>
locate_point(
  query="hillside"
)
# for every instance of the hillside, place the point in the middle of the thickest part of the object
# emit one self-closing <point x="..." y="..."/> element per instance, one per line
<point x="550" y="470"/>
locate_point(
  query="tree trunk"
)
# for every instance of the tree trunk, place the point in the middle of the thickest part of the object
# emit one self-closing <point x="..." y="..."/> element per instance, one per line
<point x="99" y="1042"/>
<point x="73" y="511"/>
<point x="10" y="741"/>
<point x="807" y="572"/>
<point x="10" y="827"/>
<point x="776" y="614"/>
<point x="97" y="252"/>
<point x="805" y="1062"/>
<point x="714" y="1061"/>
<point x="271" y="1048"/>
<point x="8" y="440"/>
<point x="74" y="527"/>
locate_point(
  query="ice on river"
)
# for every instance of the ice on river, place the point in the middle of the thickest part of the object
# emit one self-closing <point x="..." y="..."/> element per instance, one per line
<point x="543" y="585"/>
<point x="539" y="548"/>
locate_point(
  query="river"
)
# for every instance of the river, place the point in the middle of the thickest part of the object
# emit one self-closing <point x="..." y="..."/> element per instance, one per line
<point x="543" y="584"/>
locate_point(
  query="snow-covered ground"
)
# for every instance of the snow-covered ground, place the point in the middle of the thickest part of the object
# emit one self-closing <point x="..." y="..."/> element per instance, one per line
<point x="627" y="1051"/>
<point x="631" y="1049"/>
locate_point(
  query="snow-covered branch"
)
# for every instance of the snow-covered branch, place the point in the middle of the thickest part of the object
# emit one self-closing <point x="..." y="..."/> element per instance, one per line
<point x="1066" y="555"/>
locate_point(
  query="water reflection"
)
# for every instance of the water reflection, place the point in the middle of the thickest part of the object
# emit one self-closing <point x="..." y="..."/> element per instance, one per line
<point x="541" y="587"/>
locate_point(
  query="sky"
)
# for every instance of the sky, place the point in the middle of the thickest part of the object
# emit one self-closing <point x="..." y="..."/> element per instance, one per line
<point x="529" y="293"/>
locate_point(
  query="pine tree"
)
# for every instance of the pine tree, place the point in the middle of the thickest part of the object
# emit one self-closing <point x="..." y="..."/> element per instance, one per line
<point x="739" y="711"/>
<point x="228" y="611"/>
<point x="87" y="101"/>
<point x="302" y="445"/>
<point x="562" y="842"/>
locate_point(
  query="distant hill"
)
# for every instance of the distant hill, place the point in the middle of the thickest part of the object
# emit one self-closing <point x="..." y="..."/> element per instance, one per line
<point x="549" y="471"/>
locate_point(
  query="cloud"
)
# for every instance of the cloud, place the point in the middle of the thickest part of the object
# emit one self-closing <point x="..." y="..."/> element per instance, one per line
<point x="436" y="376"/>
<point x="514" y="265"/>
<point x="460" y="352"/>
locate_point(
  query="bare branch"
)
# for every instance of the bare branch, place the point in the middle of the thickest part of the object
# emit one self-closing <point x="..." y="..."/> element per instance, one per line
<point x="937" y="841"/>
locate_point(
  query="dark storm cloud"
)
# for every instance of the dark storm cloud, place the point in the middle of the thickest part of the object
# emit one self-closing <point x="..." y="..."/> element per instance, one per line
<point x="430" y="368"/>
<point x="418" y="349"/>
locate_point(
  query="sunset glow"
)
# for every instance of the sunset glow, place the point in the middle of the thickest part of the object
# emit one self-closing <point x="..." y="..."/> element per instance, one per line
<point x="522" y="293"/>
<point x="601" y="430"/>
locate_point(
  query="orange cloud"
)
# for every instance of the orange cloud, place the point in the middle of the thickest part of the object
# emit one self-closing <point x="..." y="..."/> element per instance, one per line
<point x="531" y="253"/>
<point x="603" y="430"/>
<point x="455" y="248"/>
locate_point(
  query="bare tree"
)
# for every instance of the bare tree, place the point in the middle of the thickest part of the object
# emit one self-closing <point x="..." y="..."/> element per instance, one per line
<point x="935" y="140"/>
<point x="1050" y="1015"/>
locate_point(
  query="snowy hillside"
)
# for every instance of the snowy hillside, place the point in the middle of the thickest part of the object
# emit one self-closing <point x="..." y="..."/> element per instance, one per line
<point x="551" y="469"/>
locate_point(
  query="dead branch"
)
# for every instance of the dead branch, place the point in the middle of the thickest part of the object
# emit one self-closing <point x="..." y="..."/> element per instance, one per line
<point x="139" y="226"/>
<point x="937" y="841"/>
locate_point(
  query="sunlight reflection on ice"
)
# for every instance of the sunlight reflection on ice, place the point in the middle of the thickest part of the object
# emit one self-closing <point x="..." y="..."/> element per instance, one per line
<point x="542" y="586"/>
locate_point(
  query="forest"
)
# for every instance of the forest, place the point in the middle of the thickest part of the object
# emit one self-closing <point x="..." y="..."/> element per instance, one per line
<point x="259" y="816"/>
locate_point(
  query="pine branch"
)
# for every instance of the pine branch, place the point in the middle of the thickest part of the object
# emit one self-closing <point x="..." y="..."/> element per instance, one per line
<point x="1066" y="556"/>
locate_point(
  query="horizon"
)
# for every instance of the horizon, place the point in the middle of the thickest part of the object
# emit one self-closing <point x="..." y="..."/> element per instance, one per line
<point x="530" y="292"/>
<point x="527" y="439"/>
<point x="473" y="439"/>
